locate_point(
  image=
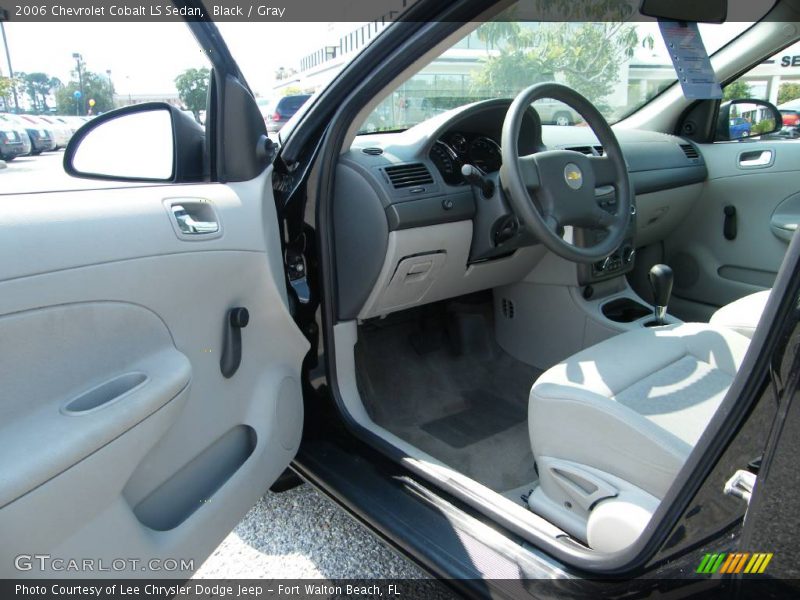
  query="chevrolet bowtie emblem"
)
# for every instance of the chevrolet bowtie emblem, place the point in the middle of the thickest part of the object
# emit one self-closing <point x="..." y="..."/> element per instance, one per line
<point x="573" y="176"/>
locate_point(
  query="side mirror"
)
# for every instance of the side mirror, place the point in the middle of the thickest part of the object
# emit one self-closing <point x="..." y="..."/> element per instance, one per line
<point x="150" y="142"/>
<point x="739" y="119"/>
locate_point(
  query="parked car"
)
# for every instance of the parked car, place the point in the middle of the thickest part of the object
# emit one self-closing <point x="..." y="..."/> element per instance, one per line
<point x="790" y="113"/>
<point x="739" y="127"/>
<point x="463" y="332"/>
<point x="284" y="109"/>
<point x="41" y="138"/>
<point x="14" y="139"/>
<point x="556" y="113"/>
<point x="71" y="122"/>
<point x="62" y="132"/>
<point x="11" y="144"/>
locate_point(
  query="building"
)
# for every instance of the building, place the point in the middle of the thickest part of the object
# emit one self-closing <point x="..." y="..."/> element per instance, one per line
<point x="129" y="99"/>
<point x="766" y="79"/>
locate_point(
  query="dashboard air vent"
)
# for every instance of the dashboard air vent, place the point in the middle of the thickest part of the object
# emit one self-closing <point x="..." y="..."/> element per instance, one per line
<point x="690" y="151"/>
<point x="587" y="150"/>
<point x="407" y="175"/>
<point x="372" y="151"/>
<point x="507" y="308"/>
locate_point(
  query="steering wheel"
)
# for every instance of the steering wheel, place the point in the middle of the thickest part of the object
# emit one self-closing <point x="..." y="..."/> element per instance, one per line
<point x="555" y="188"/>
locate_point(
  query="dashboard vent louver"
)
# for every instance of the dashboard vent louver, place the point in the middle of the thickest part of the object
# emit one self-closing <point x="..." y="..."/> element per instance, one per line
<point x="690" y="151"/>
<point x="587" y="150"/>
<point x="407" y="175"/>
<point x="507" y="308"/>
<point x="372" y="151"/>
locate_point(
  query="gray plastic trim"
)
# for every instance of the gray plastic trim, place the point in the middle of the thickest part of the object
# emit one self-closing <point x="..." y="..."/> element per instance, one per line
<point x="176" y="499"/>
<point x="431" y="211"/>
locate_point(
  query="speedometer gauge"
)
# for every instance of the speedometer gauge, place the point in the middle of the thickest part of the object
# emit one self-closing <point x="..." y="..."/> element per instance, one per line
<point x="459" y="143"/>
<point x="484" y="153"/>
<point x="443" y="158"/>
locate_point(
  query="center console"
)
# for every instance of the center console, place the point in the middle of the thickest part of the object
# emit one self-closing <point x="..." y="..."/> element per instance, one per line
<point x="622" y="259"/>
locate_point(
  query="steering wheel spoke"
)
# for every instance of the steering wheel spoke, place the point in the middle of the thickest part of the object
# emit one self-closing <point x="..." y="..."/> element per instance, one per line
<point x="604" y="170"/>
<point x="529" y="170"/>
<point x="602" y="218"/>
<point x="552" y="221"/>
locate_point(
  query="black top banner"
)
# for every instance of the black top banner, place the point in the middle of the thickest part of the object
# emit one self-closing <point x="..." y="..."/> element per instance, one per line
<point x="380" y="11"/>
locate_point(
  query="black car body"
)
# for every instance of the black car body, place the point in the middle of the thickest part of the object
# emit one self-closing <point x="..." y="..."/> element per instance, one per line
<point x="14" y="138"/>
<point x="41" y="140"/>
<point x="12" y="145"/>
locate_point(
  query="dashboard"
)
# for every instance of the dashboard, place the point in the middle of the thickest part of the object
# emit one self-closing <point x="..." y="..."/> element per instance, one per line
<point x="404" y="193"/>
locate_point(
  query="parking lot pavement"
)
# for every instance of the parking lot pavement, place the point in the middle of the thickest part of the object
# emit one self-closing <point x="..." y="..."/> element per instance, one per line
<point x="295" y="534"/>
<point x="300" y="534"/>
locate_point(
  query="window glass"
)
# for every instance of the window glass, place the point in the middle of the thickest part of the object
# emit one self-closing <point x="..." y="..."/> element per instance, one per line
<point x="776" y="80"/>
<point x="618" y="66"/>
<point x="81" y="71"/>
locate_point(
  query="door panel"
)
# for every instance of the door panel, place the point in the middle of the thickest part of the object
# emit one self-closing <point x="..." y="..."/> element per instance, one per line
<point x="711" y="269"/>
<point x="119" y="435"/>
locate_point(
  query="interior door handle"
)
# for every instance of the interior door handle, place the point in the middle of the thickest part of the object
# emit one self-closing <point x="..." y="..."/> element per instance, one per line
<point x="756" y="159"/>
<point x="189" y="225"/>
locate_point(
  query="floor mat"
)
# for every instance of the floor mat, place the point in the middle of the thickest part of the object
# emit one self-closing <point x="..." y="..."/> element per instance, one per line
<point x="453" y="393"/>
<point x="486" y="415"/>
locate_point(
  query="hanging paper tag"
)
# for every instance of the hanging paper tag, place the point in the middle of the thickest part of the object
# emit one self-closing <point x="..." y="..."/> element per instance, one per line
<point x="690" y="59"/>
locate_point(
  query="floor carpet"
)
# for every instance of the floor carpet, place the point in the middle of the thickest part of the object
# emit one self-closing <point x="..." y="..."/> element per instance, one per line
<point x="436" y="379"/>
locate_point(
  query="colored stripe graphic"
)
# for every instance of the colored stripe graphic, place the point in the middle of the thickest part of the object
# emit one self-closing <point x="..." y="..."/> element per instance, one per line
<point x="729" y="562"/>
<point x="737" y="568"/>
<point x="758" y="563"/>
<point x="710" y="563"/>
<point x="736" y="562"/>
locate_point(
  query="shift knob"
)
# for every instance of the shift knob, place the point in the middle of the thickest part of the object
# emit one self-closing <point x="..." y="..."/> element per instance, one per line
<point x="661" y="283"/>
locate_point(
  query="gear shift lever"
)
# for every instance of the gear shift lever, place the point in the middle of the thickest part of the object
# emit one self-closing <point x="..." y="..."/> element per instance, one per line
<point x="661" y="283"/>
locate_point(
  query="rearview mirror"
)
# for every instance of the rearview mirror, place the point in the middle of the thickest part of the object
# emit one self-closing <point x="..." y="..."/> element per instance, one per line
<point x="152" y="142"/>
<point x="739" y="119"/>
<point x="706" y="11"/>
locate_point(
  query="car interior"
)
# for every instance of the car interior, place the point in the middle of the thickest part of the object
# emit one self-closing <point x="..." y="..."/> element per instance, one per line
<point x="545" y="322"/>
<point x="547" y="317"/>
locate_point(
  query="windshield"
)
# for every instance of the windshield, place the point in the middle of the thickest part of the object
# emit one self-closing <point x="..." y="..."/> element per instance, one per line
<point x="618" y="66"/>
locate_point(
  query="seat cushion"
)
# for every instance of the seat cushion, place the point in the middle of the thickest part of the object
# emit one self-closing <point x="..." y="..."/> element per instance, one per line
<point x="742" y="315"/>
<point x="635" y="405"/>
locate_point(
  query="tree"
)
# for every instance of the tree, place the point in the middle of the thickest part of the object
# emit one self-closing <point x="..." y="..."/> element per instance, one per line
<point x="583" y="54"/>
<point x="95" y="86"/>
<point x="736" y="90"/>
<point x="763" y="126"/>
<point x="788" y="91"/>
<point x="6" y="92"/>
<point x="192" y="87"/>
<point x="39" y="86"/>
<point x="8" y="87"/>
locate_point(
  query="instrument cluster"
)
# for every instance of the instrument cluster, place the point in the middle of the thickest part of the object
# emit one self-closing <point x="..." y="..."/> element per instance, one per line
<point x="455" y="149"/>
